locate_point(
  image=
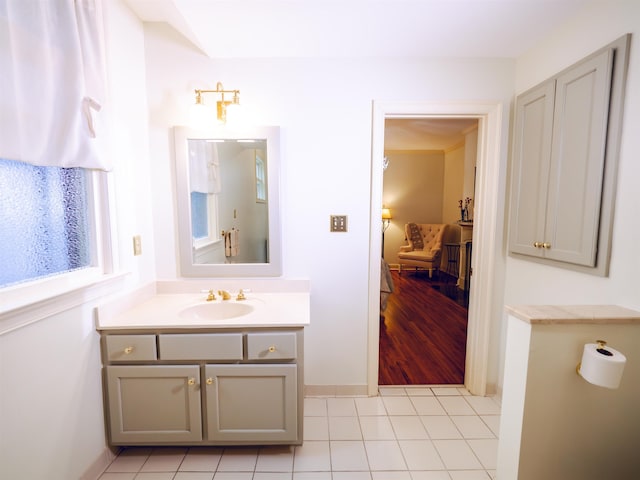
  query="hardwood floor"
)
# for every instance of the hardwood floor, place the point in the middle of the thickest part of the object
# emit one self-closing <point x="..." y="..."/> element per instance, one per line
<point x="423" y="332"/>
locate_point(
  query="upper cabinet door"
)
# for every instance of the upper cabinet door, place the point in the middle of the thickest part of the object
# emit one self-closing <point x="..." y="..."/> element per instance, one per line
<point x="577" y="161"/>
<point x="532" y="153"/>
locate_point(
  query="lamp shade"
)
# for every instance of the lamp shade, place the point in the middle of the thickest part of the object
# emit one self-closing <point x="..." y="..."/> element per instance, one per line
<point x="386" y="214"/>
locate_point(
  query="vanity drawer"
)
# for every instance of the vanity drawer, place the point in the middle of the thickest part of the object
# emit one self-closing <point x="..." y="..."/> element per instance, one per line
<point x="271" y="346"/>
<point x="130" y="348"/>
<point x="204" y="346"/>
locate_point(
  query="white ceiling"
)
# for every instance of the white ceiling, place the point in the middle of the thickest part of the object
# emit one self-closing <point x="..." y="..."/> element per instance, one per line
<point x="366" y="28"/>
<point x="360" y="28"/>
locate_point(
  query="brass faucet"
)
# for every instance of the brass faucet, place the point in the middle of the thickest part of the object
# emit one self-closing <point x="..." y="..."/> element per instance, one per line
<point x="211" y="297"/>
<point x="241" y="295"/>
<point x="224" y="294"/>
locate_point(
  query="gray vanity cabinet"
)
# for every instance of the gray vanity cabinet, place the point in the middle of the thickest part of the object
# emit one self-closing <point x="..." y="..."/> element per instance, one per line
<point x="251" y="403"/>
<point x="208" y="387"/>
<point x="154" y="403"/>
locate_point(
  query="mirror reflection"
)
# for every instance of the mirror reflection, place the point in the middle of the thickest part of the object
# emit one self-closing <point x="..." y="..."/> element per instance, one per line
<point x="228" y="219"/>
<point x="229" y="204"/>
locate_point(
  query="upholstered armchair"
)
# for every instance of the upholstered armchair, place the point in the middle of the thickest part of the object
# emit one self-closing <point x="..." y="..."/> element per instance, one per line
<point x="424" y="248"/>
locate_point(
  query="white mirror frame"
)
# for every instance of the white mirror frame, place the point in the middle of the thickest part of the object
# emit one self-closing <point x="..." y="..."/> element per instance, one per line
<point x="187" y="267"/>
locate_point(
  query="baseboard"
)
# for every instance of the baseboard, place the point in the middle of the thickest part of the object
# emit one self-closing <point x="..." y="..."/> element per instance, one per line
<point x="100" y="464"/>
<point x="335" y="390"/>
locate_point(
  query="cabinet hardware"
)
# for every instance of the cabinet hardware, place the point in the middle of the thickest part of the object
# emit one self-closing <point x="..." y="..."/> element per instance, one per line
<point x="191" y="381"/>
<point x="546" y="245"/>
<point x="209" y="381"/>
<point x="128" y="350"/>
<point x="272" y="348"/>
<point x="537" y="244"/>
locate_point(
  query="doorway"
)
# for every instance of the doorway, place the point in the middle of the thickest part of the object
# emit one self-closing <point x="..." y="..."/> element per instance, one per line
<point x="484" y="304"/>
<point x="428" y="178"/>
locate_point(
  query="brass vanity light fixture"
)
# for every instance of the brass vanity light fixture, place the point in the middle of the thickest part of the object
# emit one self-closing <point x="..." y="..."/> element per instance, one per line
<point x="222" y="103"/>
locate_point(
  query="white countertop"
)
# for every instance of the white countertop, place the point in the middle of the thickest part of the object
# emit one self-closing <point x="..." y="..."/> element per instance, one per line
<point x="162" y="311"/>
<point x="574" y="314"/>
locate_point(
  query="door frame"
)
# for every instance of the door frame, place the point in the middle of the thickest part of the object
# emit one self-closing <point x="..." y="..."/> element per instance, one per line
<point x="484" y="305"/>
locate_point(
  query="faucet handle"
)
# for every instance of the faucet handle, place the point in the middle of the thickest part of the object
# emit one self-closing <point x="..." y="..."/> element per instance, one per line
<point x="210" y="295"/>
<point x="241" y="295"/>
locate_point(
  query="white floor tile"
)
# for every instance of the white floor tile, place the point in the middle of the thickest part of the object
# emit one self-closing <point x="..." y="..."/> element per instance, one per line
<point x="442" y="475"/>
<point x="272" y="476"/>
<point x="391" y="391"/>
<point x="233" y="476"/>
<point x="164" y="459"/>
<point x="348" y="456"/>
<point x="408" y="427"/>
<point x="456" y="455"/>
<point x="419" y="392"/>
<point x="155" y="476"/>
<point x="440" y="427"/>
<point x="391" y="475"/>
<point x="493" y="422"/>
<point x="428" y="406"/>
<point x="376" y="428"/>
<point x="341" y="407"/>
<point x="352" y="475"/>
<point x="275" y="459"/>
<point x="487" y="451"/>
<point x="316" y="428"/>
<point x="484" y="405"/>
<point x="344" y="428"/>
<point x="456" y="405"/>
<point x="312" y="457"/>
<point x="117" y="476"/>
<point x="446" y="391"/>
<point x="311" y="475"/>
<point x="384" y="455"/>
<point x="370" y="406"/>
<point x="194" y="476"/>
<point x="421" y="455"/>
<point x="469" y="475"/>
<point x="129" y="460"/>
<point x="472" y="426"/>
<point x="399" y="405"/>
<point x="201" y="459"/>
<point x="315" y="407"/>
<point x="238" y="459"/>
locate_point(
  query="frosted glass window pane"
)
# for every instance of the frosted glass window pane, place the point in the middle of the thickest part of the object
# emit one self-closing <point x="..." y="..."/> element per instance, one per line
<point x="45" y="222"/>
<point x="199" y="215"/>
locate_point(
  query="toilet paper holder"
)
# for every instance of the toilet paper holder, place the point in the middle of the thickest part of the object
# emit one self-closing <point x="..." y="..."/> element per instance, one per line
<point x="601" y="366"/>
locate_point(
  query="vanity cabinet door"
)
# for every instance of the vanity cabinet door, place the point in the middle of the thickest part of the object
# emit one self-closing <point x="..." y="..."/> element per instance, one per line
<point x="150" y="404"/>
<point x="248" y="402"/>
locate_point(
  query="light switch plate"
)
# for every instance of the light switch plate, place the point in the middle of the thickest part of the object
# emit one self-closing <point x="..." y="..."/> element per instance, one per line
<point x="137" y="245"/>
<point x="338" y="223"/>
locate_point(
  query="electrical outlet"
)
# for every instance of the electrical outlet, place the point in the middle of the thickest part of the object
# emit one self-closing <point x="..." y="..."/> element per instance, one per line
<point x="338" y="223"/>
<point x="137" y="245"/>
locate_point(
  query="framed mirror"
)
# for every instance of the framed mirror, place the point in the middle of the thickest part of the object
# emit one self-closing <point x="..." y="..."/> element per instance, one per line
<point x="227" y="189"/>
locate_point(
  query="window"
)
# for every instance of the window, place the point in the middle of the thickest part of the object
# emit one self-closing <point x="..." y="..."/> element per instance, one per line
<point x="204" y="215"/>
<point x="44" y="212"/>
<point x="261" y="179"/>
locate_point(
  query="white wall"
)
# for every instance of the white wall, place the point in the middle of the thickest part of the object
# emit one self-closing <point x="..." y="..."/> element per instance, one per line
<point x="51" y="414"/>
<point x="324" y="109"/>
<point x="531" y="283"/>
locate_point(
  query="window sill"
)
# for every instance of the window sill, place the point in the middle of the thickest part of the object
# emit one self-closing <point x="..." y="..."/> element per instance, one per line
<point x="17" y="311"/>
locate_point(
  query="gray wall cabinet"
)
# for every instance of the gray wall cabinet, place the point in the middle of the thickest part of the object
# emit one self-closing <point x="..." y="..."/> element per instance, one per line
<point x="230" y="387"/>
<point x="564" y="158"/>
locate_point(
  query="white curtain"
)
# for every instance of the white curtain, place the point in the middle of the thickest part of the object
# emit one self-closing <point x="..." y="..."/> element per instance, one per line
<point x="204" y="167"/>
<point x="52" y="86"/>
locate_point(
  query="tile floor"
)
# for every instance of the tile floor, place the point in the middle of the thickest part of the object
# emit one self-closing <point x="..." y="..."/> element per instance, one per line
<point x="413" y="433"/>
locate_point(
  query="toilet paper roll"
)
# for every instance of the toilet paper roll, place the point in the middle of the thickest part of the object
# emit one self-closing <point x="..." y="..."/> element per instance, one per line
<point x="602" y="365"/>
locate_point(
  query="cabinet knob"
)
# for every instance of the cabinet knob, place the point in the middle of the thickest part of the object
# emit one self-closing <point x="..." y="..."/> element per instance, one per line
<point x="128" y="350"/>
<point x="209" y="381"/>
<point x="191" y="381"/>
<point x="272" y="348"/>
<point x="537" y="244"/>
<point x="546" y="245"/>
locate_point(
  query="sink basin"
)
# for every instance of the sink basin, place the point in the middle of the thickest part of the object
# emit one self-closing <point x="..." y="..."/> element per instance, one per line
<point x="216" y="311"/>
